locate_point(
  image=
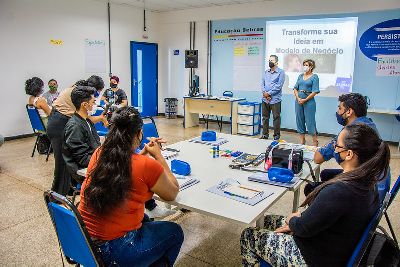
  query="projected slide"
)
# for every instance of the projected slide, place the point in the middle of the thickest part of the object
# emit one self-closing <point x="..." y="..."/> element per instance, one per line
<point x="329" y="42"/>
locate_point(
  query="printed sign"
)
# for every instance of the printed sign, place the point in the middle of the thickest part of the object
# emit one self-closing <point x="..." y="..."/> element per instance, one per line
<point x="381" y="39"/>
<point x="388" y="65"/>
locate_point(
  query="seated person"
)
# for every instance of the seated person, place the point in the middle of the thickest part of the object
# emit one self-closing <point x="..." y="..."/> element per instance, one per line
<point x="115" y="96"/>
<point x="339" y="210"/>
<point x="118" y="183"/>
<point x="80" y="136"/>
<point x="34" y="88"/>
<point x="352" y="109"/>
<point x="52" y="94"/>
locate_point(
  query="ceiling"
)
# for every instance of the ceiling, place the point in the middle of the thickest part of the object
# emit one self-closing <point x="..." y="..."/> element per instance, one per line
<point x="172" y="5"/>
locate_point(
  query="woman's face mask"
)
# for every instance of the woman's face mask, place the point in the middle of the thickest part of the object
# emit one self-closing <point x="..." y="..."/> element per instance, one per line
<point x="306" y="68"/>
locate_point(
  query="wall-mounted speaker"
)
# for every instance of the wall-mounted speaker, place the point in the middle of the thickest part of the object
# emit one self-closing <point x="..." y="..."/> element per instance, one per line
<point x="191" y="59"/>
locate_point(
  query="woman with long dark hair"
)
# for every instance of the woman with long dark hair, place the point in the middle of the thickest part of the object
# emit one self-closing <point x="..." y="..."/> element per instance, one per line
<point x="339" y="210"/>
<point x="118" y="183"/>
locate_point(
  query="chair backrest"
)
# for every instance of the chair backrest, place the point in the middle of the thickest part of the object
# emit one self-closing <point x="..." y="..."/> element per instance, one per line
<point x="71" y="231"/>
<point x="368" y="234"/>
<point x="227" y="94"/>
<point x="384" y="186"/>
<point x="100" y="128"/>
<point x="149" y="130"/>
<point x="395" y="190"/>
<point x="34" y="117"/>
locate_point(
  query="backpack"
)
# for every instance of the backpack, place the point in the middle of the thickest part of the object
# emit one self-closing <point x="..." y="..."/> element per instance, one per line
<point x="43" y="144"/>
<point x="382" y="251"/>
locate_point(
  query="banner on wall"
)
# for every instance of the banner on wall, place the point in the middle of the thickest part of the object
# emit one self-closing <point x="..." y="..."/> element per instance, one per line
<point x="330" y="42"/>
<point x="246" y="48"/>
<point x="381" y="39"/>
<point x="95" y="56"/>
<point x="388" y="65"/>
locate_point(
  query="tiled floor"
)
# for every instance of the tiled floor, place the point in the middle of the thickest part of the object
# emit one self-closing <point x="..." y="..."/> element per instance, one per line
<point x="27" y="236"/>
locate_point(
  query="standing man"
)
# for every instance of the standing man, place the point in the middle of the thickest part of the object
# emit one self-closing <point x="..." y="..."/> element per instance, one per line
<point x="271" y="88"/>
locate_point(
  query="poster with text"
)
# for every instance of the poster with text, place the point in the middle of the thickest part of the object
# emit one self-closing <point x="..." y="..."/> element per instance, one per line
<point x="329" y="42"/>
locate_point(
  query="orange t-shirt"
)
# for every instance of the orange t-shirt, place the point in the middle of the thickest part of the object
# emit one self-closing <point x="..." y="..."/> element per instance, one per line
<point x="129" y="215"/>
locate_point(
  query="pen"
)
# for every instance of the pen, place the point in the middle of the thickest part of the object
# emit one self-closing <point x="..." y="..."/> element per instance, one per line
<point x="251" y="189"/>
<point x="234" y="195"/>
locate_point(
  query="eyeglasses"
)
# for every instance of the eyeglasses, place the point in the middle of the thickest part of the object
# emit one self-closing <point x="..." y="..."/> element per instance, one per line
<point x="335" y="145"/>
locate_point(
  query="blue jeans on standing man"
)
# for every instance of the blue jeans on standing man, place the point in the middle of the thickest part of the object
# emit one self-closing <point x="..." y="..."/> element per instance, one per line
<point x="154" y="244"/>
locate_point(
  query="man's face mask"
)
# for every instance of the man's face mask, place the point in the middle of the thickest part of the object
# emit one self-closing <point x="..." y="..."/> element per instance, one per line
<point x="339" y="117"/>
<point x="53" y="88"/>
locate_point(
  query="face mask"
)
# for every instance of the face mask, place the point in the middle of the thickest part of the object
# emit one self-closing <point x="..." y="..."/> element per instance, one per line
<point x="338" y="159"/>
<point x="53" y="88"/>
<point x="113" y="85"/>
<point x="96" y="94"/>
<point x="271" y="64"/>
<point x="340" y="119"/>
<point x="306" y="68"/>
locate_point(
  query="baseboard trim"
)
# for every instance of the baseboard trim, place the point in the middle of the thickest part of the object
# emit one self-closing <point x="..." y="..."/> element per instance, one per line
<point x="8" y="138"/>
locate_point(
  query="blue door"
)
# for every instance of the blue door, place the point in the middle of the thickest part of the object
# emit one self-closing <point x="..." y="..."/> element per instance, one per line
<point x="144" y="85"/>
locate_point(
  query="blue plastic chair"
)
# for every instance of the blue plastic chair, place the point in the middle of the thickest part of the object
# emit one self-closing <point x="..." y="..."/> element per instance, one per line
<point x="37" y="127"/>
<point x="368" y="234"/>
<point x="384" y="186"/>
<point x="393" y="193"/>
<point x="149" y="130"/>
<point x="72" y="235"/>
<point x="100" y="128"/>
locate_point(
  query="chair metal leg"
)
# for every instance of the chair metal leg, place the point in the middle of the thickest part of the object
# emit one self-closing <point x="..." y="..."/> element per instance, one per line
<point x="48" y="152"/>
<point x="34" y="147"/>
<point x="390" y="227"/>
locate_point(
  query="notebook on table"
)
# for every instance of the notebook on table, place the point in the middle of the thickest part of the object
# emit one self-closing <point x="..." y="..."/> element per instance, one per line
<point x="247" y="194"/>
<point x="186" y="181"/>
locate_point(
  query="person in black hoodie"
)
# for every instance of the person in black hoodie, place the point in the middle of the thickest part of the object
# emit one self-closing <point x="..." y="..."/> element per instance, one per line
<point x="80" y="136"/>
<point x="339" y="210"/>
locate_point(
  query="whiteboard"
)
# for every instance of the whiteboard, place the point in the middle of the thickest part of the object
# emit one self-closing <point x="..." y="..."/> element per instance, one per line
<point x="95" y="56"/>
<point x="247" y="65"/>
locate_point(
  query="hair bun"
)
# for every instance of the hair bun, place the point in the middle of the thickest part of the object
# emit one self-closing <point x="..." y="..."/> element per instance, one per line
<point x="121" y="119"/>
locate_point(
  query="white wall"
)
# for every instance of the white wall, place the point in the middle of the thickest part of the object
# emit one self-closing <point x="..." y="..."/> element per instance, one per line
<point x="174" y="82"/>
<point x="25" y="51"/>
<point x="174" y="28"/>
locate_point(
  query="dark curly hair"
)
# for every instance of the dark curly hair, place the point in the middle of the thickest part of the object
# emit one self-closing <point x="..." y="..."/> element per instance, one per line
<point x="110" y="180"/>
<point x="93" y="81"/>
<point x="34" y="86"/>
<point x="356" y="102"/>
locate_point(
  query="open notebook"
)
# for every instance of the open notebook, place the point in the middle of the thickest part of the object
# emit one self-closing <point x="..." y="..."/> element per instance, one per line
<point x="186" y="181"/>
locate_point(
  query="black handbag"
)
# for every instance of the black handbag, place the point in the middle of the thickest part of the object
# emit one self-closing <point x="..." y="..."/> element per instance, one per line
<point x="284" y="157"/>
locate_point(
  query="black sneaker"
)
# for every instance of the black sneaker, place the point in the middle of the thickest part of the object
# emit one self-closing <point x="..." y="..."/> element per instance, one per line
<point x="264" y="137"/>
<point x="276" y="138"/>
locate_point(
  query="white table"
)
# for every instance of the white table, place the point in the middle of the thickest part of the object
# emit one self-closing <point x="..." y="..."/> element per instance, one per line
<point x="210" y="171"/>
<point x="222" y="106"/>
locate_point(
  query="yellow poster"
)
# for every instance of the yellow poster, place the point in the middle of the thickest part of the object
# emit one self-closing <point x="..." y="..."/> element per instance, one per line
<point x="56" y="41"/>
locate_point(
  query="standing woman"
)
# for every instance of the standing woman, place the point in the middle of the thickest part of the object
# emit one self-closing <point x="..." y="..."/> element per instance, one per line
<point x="305" y="89"/>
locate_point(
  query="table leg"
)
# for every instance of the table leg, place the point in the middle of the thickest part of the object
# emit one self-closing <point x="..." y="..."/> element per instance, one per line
<point x="296" y="199"/>
<point x="317" y="172"/>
